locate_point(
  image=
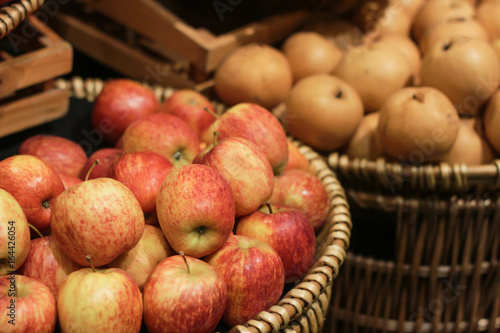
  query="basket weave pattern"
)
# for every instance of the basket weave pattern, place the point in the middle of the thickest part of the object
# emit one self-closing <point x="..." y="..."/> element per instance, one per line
<point x="12" y="14"/>
<point x="443" y="273"/>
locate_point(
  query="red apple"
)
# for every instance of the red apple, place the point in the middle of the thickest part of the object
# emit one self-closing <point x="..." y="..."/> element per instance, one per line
<point x="289" y="233"/>
<point x="195" y="304"/>
<point x="189" y="105"/>
<point x="195" y="207"/>
<point x="63" y="155"/>
<point x="106" y="157"/>
<point x="102" y="300"/>
<point x="48" y="263"/>
<point x="26" y="305"/>
<point x="246" y="168"/>
<point x="35" y="186"/>
<point x="295" y="159"/>
<point x="254" y="276"/>
<point x="142" y="172"/>
<point x="14" y="234"/>
<point x="255" y="123"/>
<point x="304" y="191"/>
<point x="145" y="256"/>
<point x="99" y="217"/>
<point x="69" y="181"/>
<point x="121" y="102"/>
<point x="164" y="134"/>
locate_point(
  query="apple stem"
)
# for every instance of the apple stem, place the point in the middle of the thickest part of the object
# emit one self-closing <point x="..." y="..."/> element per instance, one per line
<point x="268" y="204"/>
<point x="90" y="262"/>
<point x="216" y="134"/>
<point x="211" y="112"/>
<point x="447" y="46"/>
<point x="339" y="94"/>
<point x="91" y="168"/>
<point x="35" y="230"/>
<point x="185" y="261"/>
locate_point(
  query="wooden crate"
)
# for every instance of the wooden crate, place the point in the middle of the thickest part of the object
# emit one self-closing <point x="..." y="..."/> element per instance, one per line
<point x="31" y="57"/>
<point x="144" y="40"/>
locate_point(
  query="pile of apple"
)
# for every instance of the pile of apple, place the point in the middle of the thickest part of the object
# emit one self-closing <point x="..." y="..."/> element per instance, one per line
<point x="413" y="81"/>
<point x="191" y="221"/>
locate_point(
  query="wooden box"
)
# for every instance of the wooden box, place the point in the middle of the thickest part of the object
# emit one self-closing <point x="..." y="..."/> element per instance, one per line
<point x="31" y="57"/>
<point x="146" y="41"/>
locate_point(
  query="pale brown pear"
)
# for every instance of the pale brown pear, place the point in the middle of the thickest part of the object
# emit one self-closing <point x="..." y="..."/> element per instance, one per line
<point x="464" y="69"/>
<point x="434" y="11"/>
<point x="417" y="124"/>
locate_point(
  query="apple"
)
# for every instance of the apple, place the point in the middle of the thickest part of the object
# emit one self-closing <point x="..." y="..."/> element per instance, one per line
<point x="99" y="300"/>
<point x="304" y="191"/>
<point x="246" y="168"/>
<point x="121" y="102"/>
<point x="164" y="134"/>
<point x="184" y="294"/>
<point x="48" y="263"/>
<point x="254" y="276"/>
<point x="99" y="217"/>
<point x="35" y="186"/>
<point x="257" y="124"/>
<point x="289" y="233"/>
<point x="63" y="155"/>
<point x="26" y="305"/>
<point x="195" y="207"/>
<point x="142" y="172"/>
<point x="106" y="157"/>
<point x="145" y="256"/>
<point x="295" y="159"/>
<point x="69" y="181"/>
<point x="190" y="106"/>
<point x="14" y="234"/>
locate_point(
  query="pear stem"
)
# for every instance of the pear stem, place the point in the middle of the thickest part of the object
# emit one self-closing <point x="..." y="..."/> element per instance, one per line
<point x="418" y="97"/>
<point x="185" y="261"/>
<point x="211" y="112"/>
<point x="268" y="204"/>
<point x="216" y="134"/>
<point x="35" y="230"/>
<point x="91" y="264"/>
<point x="91" y="168"/>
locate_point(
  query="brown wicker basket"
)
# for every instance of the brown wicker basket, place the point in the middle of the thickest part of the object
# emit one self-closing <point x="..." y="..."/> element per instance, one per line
<point x="304" y="307"/>
<point x="13" y="13"/>
<point x="440" y="225"/>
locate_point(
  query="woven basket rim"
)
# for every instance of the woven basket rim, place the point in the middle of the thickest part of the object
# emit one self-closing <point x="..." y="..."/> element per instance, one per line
<point x="302" y="308"/>
<point x="429" y="177"/>
<point x="15" y="12"/>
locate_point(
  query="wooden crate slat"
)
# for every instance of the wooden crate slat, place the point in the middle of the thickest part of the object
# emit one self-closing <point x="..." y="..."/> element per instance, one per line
<point x="33" y="110"/>
<point x="152" y="20"/>
<point x="200" y="47"/>
<point x="54" y="58"/>
<point x="118" y="55"/>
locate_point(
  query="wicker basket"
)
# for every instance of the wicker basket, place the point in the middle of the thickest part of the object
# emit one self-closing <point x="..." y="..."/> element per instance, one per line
<point x="304" y="307"/>
<point x="13" y="13"/>
<point x="440" y="229"/>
